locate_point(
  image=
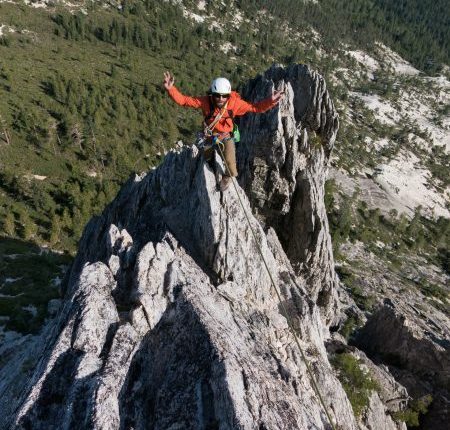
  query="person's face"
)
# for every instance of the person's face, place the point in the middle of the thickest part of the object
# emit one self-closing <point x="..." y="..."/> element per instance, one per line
<point x="220" y="99"/>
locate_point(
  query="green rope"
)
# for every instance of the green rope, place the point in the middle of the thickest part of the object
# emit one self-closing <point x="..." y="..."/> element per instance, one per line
<point x="291" y="327"/>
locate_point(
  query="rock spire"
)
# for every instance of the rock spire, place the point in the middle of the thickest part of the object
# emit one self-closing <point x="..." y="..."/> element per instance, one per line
<point x="169" y="319"/>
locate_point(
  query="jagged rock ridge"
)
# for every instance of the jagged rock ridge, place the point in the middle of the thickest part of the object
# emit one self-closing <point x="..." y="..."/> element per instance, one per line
<point x="285" y="162"/>
<point x="170" y="320"/>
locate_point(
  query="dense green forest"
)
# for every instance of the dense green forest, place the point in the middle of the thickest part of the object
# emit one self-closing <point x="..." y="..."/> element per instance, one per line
<point x="82" y="105"/>
<point x="419" y="30"/>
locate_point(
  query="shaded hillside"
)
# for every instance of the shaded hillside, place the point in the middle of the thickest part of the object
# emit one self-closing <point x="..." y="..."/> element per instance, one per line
<point x="418" y="30"/>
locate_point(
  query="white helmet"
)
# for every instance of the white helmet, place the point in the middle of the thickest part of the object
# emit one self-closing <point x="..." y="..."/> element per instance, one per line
<point x="221" y="86"/>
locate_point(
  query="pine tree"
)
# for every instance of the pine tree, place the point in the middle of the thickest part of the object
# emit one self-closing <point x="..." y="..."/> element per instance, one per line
<point x="9" y="224"/>
<point x="55" y="230"/>
<point x="29" y="228"/>
<point x="113" y="71"/>
<point x="66" y="220"/>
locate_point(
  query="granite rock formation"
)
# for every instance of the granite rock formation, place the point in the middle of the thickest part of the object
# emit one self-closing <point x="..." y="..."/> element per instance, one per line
<point x="170" y="320"/>
<point x="284" y="158"/>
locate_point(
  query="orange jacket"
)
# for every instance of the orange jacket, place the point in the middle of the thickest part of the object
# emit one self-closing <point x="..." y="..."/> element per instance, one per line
<point x="235" y="104"/>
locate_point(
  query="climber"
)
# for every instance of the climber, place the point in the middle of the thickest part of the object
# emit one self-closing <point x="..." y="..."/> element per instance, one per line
<point x="219" y="108"/>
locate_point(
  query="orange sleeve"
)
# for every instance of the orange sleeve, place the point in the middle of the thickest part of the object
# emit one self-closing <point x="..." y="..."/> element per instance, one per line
<point x="242" y="107"/>
<point x="182" y="100"/>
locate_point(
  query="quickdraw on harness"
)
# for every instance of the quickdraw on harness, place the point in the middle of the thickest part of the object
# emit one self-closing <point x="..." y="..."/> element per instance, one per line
<point x="235" y="133"/>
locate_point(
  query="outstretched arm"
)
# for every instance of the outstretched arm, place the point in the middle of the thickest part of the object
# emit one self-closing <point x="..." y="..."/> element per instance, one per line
<point x="176" y="96"/>
<point x="244" y="107"/>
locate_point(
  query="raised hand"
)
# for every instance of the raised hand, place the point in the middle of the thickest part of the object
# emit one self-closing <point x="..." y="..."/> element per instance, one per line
<point x="277" y="96"/>
<point x="168" y="80"/>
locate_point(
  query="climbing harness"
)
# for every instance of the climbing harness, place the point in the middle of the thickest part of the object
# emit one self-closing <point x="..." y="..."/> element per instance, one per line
<point x="234" y="133"/>
<point x="288" y="319"/>
<point x="207" y="137"/>
<point x="213" y="140"/>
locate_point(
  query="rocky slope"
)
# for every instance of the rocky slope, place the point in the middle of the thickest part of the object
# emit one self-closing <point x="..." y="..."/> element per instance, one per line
<point x="284" y="164"/>
<point x="390" y="155"/>
<point x="402" y="328"/>
<point x="169" y="318"/>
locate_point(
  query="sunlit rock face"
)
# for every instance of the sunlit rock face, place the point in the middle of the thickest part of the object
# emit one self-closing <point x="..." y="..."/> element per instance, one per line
<point x="170" y="319"/>
<point x="284" y="159"/>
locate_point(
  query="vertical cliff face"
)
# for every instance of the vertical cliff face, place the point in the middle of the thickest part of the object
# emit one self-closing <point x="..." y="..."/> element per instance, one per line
<point x="170" y="320"/>
<point x="284" y="157"/>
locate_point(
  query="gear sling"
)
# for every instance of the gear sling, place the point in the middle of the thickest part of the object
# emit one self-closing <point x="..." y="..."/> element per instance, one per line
<point x="235" y="133"/>
<point x="227" y="140"/>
